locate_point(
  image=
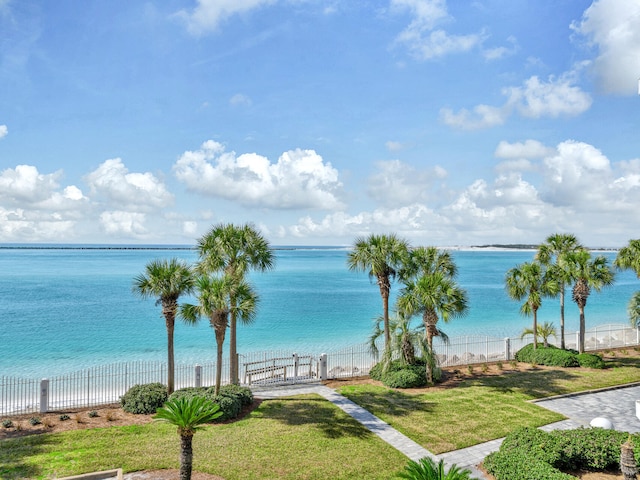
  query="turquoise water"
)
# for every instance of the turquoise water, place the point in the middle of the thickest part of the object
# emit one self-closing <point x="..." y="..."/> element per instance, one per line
<point x="63" y="310"/>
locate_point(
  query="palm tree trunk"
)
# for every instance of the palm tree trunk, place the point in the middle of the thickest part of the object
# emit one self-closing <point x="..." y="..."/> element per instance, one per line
<point x="219" y="323"/>
<point x="385" y="288"/>
<point x="233" y="352"/>
<point x="582" y="330"/>
<point x="535" y="328"/>
<point x="170" y="321"/>
<point x="186" y="456"/>
<point x="562" y="346"/>
<point x="430" y="330"/>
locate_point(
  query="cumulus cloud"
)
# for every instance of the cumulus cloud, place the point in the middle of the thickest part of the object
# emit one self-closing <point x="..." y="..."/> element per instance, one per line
<point x="299" y="179"/>
<point x="129" y="224"/>
<point x="209" y="14"/>
<point x="128" y="191"/>
<point x="613" y="28"/>
<point x="423" y="40"/>
<point x="396" y="183"/>
<point x="533" y="99"/>
<point x="3" y="131"/>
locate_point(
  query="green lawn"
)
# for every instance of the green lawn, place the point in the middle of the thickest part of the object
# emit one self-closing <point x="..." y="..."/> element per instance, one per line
<point x="307" y="437"/>
<point x="487" y="407"/>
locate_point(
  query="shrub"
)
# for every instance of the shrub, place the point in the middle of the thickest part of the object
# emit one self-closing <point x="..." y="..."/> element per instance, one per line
<point x="407" y="378"/>
<point x="531" y="454"/>
<point x="144" y="399"/>
<point x="426" y="468"/>
<point x="7" y="423"/>
<point x="551" y="356"/>
<point x="231" y="398"/>
<point x="64" y="417"/>
<point x="35" y="421"/>
<point x="93" y="414"/>
<point x="376" y="371"/>
<point x="589" y="360"/>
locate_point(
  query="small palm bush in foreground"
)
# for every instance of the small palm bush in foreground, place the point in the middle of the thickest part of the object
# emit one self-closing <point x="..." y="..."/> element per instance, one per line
<point x="231" y="398"/>
<point x="427" y="469"/>
<point x="188" y="414"/>
<point x="144" y="399"/>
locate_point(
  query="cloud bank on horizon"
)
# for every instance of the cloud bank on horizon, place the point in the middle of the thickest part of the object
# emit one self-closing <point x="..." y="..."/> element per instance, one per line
<point x="449" y="123"/>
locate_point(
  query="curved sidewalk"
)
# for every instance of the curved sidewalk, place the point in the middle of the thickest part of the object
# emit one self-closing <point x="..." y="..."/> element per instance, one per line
<point x="617" y="404"/>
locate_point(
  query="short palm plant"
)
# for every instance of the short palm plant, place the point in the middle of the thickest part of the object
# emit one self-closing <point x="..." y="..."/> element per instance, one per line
<point x="427" y="469"/>
<point x="545" y="331"/>
<point x="188" y="414"/>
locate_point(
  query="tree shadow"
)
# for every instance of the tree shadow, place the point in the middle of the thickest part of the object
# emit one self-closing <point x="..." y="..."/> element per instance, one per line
<point x="392" y="402"/>
<point x="14" y="452"/>
<point x="312" y="410"/>
<point x="536" y="384"/>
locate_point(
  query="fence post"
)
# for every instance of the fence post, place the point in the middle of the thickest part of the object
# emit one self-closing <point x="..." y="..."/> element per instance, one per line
<point x="323" y="366"/>
<point x="295" y="367"/>
<point x="44" y="395"/>
<point x="198" y="372"/>
<point x="638" y="335"/>
<point x="507" y="349"/>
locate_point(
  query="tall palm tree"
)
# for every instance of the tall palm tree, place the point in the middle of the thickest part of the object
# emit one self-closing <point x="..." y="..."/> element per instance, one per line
<point x="214" y="302"/>
<point x="528" y="282"/>
<point x="188" y="414"/>
<point x="588" y="273"/>
<point x="629" y="258"/>
<point x="382" y="256"/>
<point x="551" y="254"/>
<point x="428" y="260"/>
<point x="166" y="280"/>
<point x="434" y="296"/>
<point x="234" y="250"/>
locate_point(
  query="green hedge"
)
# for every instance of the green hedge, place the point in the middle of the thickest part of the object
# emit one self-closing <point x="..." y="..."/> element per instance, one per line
<point x="400" y="375"/>
<point x="531" y="454"/>
<point x="144" y="399"/>
<point x="556" y="357"/>
<point x="231" y="398"/>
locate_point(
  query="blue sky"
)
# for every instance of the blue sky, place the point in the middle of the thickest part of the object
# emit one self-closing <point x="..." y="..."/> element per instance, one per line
<point x="449" y="123"/>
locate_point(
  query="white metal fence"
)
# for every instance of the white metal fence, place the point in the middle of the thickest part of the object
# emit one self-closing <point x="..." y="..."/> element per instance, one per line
<point x="106" y="384"/>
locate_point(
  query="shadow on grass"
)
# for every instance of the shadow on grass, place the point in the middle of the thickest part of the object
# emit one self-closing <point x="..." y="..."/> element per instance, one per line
<point x="391" y="402"/>
<point x="14" y="452"/>
<point x="315" y="412"/>
<point x="536" y="384"/>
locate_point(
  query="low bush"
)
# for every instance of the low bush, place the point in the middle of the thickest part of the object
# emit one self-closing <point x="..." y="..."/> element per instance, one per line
<point x="400" y="375"/>
<point x="531" y="454"/>
<point x="7" y="423"/>
<point x="590" y="360"/>
<point x="231" y="398"/>
<point x="550" y="356"/>
<point x="144" y="399"/>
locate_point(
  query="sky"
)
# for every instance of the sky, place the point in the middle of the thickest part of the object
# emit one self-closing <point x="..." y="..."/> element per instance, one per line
<point x="448" y="123"/>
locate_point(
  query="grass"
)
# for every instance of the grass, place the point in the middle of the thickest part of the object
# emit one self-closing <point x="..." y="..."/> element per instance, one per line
<point x="292" y="438"/>
<point x="487" y="407"/>
<point x="307" y="437"/>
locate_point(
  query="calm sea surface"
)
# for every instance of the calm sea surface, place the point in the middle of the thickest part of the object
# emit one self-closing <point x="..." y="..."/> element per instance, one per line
<point x="65" y="309"/>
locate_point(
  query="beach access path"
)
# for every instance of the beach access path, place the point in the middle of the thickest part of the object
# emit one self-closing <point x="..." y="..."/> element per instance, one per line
<point x="616" y="404"/>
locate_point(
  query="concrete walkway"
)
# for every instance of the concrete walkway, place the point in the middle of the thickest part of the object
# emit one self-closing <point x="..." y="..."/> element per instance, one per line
<point x="617" y="405"/>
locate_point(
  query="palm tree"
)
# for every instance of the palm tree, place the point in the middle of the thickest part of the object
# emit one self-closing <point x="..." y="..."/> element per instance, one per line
<point x="545" y="331"/>
<point x="382" y="256"/>
<point x="551" y="255"/>
<point x="629" y="258"/>
<point x="434" y="296"/>
<point x="528" y="282"/>
<point x="166" y="280"/>
<point x="403" y="339"/>
<point x="427" y="469"/>
<point x="214" y="302"/>
<point x="587" y="274"/>
<point x="188" y="414"/>
<point x="234" y="250"/>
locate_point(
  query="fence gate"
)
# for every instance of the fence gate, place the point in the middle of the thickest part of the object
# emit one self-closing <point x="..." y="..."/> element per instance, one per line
<point x="281" y="370"/>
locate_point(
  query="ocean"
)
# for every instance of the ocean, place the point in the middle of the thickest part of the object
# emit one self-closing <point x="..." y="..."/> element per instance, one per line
<point x="64" y="309"/>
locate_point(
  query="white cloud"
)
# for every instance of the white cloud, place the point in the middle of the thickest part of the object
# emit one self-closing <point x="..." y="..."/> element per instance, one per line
<point x="299" y="179"/>
<point x="613" y="27"/>
<point x="3" y="131"/>
<point x="394" y="146"/>
<point x="240" y="99"/>
<point x="534" y="99"/>
<point x="396" y="183"/>
<point x="128" y="191"/>
<point x="553" y="98"/>
<point x="25" y="185"/>
<point x="129" y="224"/>
<point x="208" y="14"/>
<point x="499" y="53"/>
<point x="421" y="37"/>
<point x="529" y="149"/>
